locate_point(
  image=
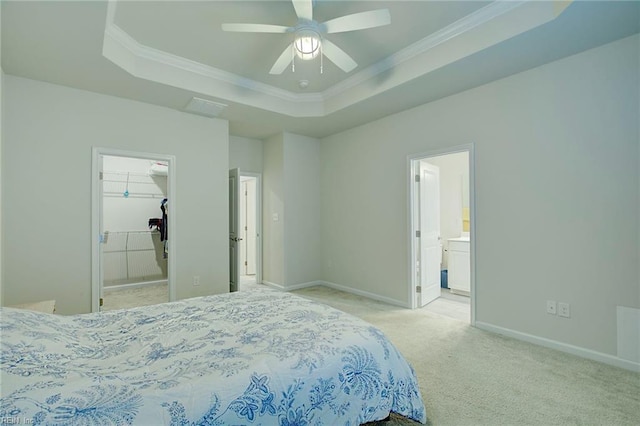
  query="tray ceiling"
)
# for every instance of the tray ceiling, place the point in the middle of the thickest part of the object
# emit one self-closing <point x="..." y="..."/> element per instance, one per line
<point x="167" y="52"/>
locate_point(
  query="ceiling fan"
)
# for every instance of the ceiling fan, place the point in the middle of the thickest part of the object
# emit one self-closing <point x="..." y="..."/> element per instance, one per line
<point x="307" y="34"/>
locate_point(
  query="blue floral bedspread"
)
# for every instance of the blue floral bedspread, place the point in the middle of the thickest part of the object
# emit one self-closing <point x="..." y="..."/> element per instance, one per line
<point x="262" y="357"/>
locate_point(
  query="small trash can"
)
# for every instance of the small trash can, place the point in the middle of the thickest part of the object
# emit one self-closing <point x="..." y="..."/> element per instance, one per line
<point x="444" y="283"/>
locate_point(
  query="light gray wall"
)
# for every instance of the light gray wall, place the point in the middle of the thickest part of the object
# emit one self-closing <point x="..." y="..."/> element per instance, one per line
<point x="49" y="133"/>
<point x="273" y="203"/>
<point x="291" y="244"/>
<point x="1" y="173"/>
<point x="1" y="133"/>
<point x="245" y="154"/>
<point x="557" y="192"/>
<point x="302" y="209"/>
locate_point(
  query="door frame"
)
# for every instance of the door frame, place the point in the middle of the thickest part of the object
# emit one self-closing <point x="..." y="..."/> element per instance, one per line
<point x="412" y="160"/>
<point x="258" y="177"/>
<point x="96" y="204"/>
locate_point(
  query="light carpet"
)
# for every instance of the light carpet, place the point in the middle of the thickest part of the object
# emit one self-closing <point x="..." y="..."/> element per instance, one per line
<point x="470" y="377"/>
<point x="136" y="296"/>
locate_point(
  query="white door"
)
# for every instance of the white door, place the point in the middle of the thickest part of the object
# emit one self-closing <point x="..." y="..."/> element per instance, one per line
<point x="430" y="242"/>
<point x="234" y="228"/>
<point x="250" y="231"/>
<point x="242" y="250"/>
<point x="248" y="226"/>
<point x="103" y="236"/>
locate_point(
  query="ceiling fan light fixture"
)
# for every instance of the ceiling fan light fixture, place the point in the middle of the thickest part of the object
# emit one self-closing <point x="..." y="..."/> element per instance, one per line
<point x="307" y="41"/>
<point x="306" y="44"/>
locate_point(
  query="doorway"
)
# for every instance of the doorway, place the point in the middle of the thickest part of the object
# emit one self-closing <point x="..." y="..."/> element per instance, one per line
<point x="441" y="201"/>
<point x="246" y="247"/>
<point x="132" y="219"/>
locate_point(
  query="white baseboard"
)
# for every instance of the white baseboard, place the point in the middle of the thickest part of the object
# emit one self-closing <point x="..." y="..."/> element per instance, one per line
<point x="132" y="285"/>
<point x="541" y="341"/>
<point x="273" y="285"/>
<point x="304" y="285"/>
<point x="563" y="347"/>
<point x="292" y="287"/>
<point x="364" y="293"/>
<point x="337" y="287"/>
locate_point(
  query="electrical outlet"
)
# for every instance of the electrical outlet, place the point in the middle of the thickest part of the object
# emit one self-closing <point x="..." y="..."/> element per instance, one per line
<point x="551" y="307"/>
<point x="564" y="310"/>
<point x="196" y="280"/>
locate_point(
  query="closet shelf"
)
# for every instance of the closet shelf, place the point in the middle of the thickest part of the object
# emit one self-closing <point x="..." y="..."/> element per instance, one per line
<point x="132" y="185"/>
<point x="121" y="173"/>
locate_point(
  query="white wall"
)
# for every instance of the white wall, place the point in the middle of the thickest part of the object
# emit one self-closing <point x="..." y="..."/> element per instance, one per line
<point x="49" y="133"/>
<point x="245" y="154"/>
<point x="1" y="172"/>
<point x="291" y="244"/>
<point x="302" y="210"/>
<point x="557" y="192"/>
<point x="273" y="211"/>
<point x="1" y="133"/>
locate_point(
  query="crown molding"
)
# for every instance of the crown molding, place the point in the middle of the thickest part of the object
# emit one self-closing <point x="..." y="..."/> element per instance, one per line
<point x="121" y="37"/>
<point x="489" y="26"/>
<point x="492" y="24"/>
<point x="461" y="26"/>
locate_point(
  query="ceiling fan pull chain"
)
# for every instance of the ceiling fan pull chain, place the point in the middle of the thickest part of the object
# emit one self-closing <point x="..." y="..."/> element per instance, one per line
<point x="321" y="58"/>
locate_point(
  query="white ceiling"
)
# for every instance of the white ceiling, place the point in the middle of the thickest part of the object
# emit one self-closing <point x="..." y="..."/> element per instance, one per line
<point x="167" y="52"/>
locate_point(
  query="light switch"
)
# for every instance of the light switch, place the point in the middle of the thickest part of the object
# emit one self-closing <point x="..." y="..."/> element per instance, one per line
<point x="276" y="217"/>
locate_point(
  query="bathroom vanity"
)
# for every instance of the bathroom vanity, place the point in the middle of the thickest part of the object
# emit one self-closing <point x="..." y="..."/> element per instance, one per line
<point x="459" y="261"/>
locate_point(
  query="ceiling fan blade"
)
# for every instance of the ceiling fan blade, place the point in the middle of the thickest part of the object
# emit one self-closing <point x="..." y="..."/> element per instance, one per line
<point x="337" y="56"/>
<point x="304" y="9"/>
<point x="282" y="62"/>
<point x="358" y="21"/>
<point x="254" y="28"/>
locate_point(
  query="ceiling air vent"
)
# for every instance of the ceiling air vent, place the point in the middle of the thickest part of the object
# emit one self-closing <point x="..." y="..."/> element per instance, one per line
<point x="204" y="107"/>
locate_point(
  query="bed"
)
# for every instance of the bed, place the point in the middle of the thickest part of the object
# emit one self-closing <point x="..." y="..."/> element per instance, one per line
<point x="263" y="357"/>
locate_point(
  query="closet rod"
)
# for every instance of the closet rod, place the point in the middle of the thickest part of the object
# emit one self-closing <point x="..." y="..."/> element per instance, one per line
<point x="133" y="195"/>
<point x="124" y="181"/>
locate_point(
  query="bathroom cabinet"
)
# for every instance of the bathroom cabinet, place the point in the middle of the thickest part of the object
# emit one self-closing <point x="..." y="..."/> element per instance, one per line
<point x="459" y="261"/>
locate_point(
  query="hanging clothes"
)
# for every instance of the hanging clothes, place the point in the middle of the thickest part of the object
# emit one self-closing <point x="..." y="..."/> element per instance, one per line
<point x="155" y="222"/>
<point x="164" y="236"/>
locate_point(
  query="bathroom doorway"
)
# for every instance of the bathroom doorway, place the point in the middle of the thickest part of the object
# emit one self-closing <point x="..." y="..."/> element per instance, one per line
<point x="250" y="247"/>
<point x="132" y="218"/>
<point x="441" y="212"/>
